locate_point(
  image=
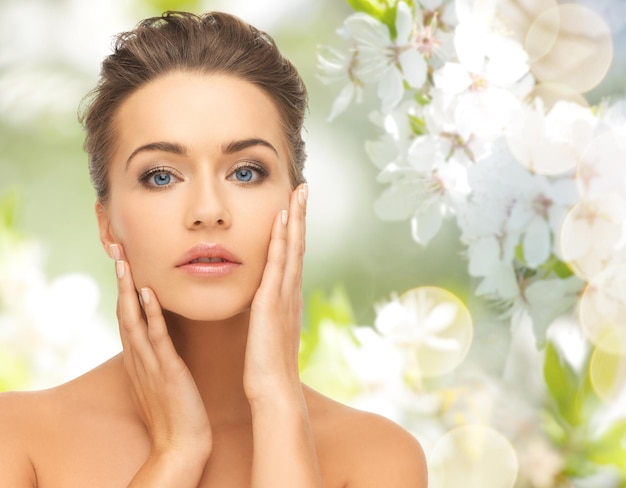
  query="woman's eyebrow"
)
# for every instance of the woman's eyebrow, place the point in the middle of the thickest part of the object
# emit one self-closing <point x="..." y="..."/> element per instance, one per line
<point x="169" y="147"/>
<point x="240" y="145"/>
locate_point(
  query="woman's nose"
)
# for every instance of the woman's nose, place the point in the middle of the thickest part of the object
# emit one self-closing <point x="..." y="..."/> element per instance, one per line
<point x="207" y="206"/>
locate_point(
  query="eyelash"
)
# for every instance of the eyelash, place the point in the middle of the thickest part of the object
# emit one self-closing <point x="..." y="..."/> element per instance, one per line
<point x="261" y="171"/>
<point x="145" y="178"/>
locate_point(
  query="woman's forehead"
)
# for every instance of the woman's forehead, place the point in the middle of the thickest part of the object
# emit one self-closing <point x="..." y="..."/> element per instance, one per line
<point x="199" y="109"/>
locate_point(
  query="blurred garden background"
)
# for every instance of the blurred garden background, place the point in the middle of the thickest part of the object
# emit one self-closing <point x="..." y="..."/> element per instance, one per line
<point x="520" y="399"/>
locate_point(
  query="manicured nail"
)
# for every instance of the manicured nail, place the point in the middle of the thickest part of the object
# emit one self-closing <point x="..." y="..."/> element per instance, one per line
<point x="119" y="269"/>
<point x="115" y="252"/>
<point x="145" y="296"/>
<point x="283" y="217"/>
<point x="303" y="194"/>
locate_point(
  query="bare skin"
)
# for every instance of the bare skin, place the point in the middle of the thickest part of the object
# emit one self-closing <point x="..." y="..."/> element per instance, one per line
<point x="88" y="433"/>
<point x="206" y="392"/>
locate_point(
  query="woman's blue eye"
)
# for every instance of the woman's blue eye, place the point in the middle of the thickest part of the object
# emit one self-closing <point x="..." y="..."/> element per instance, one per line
<point x="162" y="179"/>
<point x="248" y="173"/>
<point x="244" y="174"/>
<point x="158" y="178"/>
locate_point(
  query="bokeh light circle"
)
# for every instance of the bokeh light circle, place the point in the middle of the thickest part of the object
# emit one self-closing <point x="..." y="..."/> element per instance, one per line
<point x="602" y="168"/>
<point x="473" y="456"/>
<point x="446" y="330"/>
<point x="590" y="233"/>
<point x="571" y="45"/>
<point x="602" y="314"/>
<point x="543" y="33"/>
<point x="553" y="92"/>
<point x="607" y="369"/>
<point x="519" y="15"/>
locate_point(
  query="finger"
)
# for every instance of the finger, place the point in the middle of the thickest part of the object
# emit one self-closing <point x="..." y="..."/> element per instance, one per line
<point x="129" y="353"/>
<point x="158" y="334"/>
<point x="295" y="240"/>
<point x="133" y="327"/>
<point x="276" y="259"/>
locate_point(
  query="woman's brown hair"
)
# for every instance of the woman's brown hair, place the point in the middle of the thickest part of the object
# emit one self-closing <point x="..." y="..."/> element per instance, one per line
<point x="211" y="43"/>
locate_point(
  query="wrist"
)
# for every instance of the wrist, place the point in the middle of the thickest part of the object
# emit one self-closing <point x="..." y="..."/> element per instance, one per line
<point x="189" y="458"/>
<point x="278" y="398"/>
<point x="171" y="468"/>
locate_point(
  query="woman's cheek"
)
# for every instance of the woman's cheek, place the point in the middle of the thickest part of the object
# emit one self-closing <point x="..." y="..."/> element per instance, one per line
<point x="128" y="234"/>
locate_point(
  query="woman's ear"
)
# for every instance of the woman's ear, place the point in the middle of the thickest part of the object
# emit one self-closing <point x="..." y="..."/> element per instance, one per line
<point x="107" y="235"/>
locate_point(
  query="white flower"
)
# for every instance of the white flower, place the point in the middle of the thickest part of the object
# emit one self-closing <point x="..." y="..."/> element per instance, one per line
<point x="551" y="143"/>
<point x="537" y="215"/>
<point x="592" y="232"/>
<point x="495" y="184"/>
<point x="337" y="67"/>
<point x="602" y="168"/>
<point x="424" y="194"/>
<point x="483" y="222"/>
<point x="430" y="326"/>
<point x="481" y="85"/>
<point x="488" y="261"/>
<point x="392" y="146"/>
<point x="545" y="300"/>
<point x="376" y="58"/>
<point x="482" y="48"/>
<point x="432" y="29"/>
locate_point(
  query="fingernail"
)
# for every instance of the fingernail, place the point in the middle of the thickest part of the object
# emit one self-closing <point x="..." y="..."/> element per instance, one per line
<point x="115" y="252"/>
<point x="145" y="296"/>
<point x="119" y="269"/>
<point x="283" y="217"/>
<point x="303" y="194"/>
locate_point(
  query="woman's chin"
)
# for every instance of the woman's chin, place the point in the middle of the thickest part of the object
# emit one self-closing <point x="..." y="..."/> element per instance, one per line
<point x="203" y="314"/>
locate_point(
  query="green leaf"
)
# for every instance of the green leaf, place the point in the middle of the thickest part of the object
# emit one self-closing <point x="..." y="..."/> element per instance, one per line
<point x="556" y="266"/>
<point x="418" y="125"/>
<point x="563" y="385"/>
<point x="382" y="10"/>
<point x="422" y="98"/>
<point x="610" y="448"/>
<point x="8" y="210"/>
<point x="322" y="361"/>
<point x="319" y="309"/>
<point x="374" y="8"/>
<point x="553" y="429"/>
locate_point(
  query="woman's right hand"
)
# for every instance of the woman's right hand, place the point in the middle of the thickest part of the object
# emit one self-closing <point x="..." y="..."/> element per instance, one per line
<point x="165" y="392"/>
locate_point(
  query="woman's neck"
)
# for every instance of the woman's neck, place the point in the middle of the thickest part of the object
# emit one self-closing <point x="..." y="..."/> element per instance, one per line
<point x="215" y="353"/>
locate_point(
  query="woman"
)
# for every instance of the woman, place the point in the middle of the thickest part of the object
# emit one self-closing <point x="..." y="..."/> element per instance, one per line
<point x="195" y="148"/>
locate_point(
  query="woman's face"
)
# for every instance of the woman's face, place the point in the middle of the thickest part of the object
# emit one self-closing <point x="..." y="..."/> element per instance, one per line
<point x="199" y="173"/>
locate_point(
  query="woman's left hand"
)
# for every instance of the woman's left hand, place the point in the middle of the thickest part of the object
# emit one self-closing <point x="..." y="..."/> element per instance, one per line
<point x="271" y="364"/>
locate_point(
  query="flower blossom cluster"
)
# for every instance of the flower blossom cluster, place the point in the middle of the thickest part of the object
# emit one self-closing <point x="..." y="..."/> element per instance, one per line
<point x="474" y="127"/>
<point x="534" y="185"/>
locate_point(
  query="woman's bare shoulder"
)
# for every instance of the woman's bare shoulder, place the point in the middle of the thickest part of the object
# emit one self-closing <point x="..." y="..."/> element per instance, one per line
<point x="372" y="449"/>
<point x="16" y="410"/>
<point x="22" y="414"/>
<point x="27" y="418"/>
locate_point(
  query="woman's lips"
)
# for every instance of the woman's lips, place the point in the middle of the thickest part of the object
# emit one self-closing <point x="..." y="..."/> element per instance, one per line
<point x="208" y="259"/>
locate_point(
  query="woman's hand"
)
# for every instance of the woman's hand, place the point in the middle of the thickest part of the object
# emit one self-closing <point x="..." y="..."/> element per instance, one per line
<point x="164" y="390"/>
<point x="271" y="363"/>
<point x="280" y="418"/>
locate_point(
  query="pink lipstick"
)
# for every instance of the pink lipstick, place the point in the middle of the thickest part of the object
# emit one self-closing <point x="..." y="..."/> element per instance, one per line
<point x="208" y="259"/>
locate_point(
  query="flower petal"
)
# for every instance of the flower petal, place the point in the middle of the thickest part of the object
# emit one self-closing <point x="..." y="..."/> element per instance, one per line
<point x="426" y="223"/>
<point x="414" y="67"/>
<point x="390" y="89"/>
<point x="452" y="78"/>
<point x="404" y="22"/>
<point x="537" y="242"/>
<point x="342" y="101"/>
